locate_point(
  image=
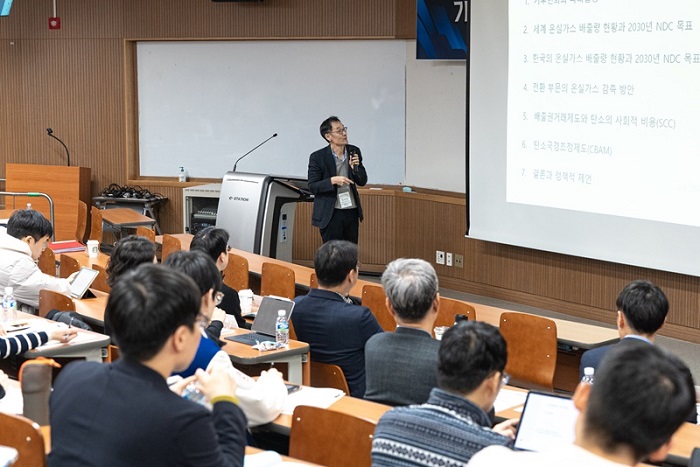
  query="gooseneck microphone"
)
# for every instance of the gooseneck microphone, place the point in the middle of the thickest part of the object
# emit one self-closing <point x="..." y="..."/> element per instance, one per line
<point x="49" y="132"/>
<point x="256" y="147"/>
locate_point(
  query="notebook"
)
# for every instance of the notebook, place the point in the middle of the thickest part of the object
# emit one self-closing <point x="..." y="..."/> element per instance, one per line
<point x="264" y="326"/>
<point x="82" y="281"/>
<point x="548" y="421"/>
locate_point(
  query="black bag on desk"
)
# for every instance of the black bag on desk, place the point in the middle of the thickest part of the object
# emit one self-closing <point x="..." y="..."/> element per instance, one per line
<point x="68" y="317"/>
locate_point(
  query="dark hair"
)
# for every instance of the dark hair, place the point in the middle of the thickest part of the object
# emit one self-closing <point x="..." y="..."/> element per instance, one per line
<point x="411" y="286"/>
<point x="641" y="395"/>
<point x="644" y="305"/>
<point x="146" y="306"/>
<point x="327" y="126"/>
<point x="333" y="261"/>
<point x="128" y="253"/>
<point x="29" y="223"/>
<point x="211" y="241"/>
<point x="198" y="266"/>
<point x="469" y="353"/>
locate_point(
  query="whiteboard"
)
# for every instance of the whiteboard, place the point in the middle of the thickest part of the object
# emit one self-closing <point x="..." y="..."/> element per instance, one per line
<point x="203" y="104"/>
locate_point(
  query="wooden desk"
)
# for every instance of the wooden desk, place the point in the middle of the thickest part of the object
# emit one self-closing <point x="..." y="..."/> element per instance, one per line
<point x="367" y="410"/>
<point x="84" y="259"/>
<point x="86" y="344"/>
<point x="92" y="309"/>
<point x="296" y="356"/>
<point x="119" y="219"/>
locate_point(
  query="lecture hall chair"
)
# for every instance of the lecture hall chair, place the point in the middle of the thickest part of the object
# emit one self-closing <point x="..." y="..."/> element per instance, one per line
<point x="25" y="436"/>
<point x="149" y="233"/>
<point x="326" y="375"/>
<point x="81" y="226"/>
<point x="170" y="245"/>
<point x="532" y="350"/>
<point x="326" y="437"/>
<point x="374" y="298"/>
<point x="68" y="266"/>
<point x="47" y="262"/>
<point x="95" y="224"/>
<point x="100" y="282"/>
<point x="50" y="300"/>
<point x="278" y="280"/>
<point x="449" y="308"/>
<point x="236" y="272"/>
<point x="313" y="281"/>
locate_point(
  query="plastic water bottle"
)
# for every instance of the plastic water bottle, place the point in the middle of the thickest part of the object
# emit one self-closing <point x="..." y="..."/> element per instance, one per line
<point x="588" y="375"/>
<point x="9" y="305"/>
<point x="191" y="393"/>
<point x="282" y="326"/>
<point x="182" y="176"/>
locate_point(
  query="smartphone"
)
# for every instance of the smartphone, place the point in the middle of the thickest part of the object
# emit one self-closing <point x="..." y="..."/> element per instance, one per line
<point x="292" y="388"/>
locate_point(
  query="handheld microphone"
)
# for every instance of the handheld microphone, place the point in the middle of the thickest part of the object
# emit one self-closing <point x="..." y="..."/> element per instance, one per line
<point x="256" y="147"/>
<point x="49" y="132"/>
<point x="354" y="167"/>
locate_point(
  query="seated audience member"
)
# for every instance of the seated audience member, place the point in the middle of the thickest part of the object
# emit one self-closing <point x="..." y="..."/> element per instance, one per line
<point x="260" y="400"/>
<point x="641" y="311"/>
<point x="411" y="287"/>
<point x="453" y="424"/>
<point x="214" y="242"/>
<point x="19" y="342"/>
<point x="27" y="236"/>
<point x="640" y="397"/>
<point x="128" y="253"/>
<point x="124" y="413"/>
<point x="334" y="327"/>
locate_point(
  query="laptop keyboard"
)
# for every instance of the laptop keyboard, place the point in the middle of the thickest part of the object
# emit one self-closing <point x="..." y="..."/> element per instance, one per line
<point x="251" y="338"/>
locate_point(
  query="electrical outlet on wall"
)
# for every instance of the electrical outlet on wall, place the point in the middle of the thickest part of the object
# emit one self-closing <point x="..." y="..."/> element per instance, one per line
<point x="439" y="257"/>
<point x="459" y="261"/>
<point x="448" y="259"/>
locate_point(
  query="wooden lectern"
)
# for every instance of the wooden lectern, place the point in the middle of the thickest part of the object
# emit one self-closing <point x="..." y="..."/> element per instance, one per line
<point x="65" y="185"/>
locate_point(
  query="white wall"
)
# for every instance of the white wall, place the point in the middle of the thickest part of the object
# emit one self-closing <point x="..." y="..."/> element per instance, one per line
<point x="435" y="123"/>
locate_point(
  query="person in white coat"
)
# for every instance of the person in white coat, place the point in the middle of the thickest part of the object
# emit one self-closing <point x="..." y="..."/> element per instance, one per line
<point x="26" y="237"/>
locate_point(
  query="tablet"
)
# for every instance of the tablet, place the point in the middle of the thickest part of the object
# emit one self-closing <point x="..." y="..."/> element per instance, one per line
<point x="82" y="281"/>
<point x="548" y="421"/>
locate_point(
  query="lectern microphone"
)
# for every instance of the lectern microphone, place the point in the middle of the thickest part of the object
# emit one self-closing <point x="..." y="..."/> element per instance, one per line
<point x="256" y="147"/>
<point x="49" y="132"/>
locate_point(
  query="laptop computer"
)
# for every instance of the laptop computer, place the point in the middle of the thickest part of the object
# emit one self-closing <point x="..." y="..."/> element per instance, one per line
<point x="264" y="326"/>
<point x="547" y="421"/>
<point x="82" y="281"/>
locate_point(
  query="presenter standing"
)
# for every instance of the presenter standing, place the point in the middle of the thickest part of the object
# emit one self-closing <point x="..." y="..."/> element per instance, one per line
<point x="334" y="174"/>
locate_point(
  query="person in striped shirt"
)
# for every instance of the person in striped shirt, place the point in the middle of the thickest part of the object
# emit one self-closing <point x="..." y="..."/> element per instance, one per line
<point x="20" y="342"/>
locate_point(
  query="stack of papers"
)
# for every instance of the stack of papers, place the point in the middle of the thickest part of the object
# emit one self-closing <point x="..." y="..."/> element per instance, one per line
<point x="315" y="397"/>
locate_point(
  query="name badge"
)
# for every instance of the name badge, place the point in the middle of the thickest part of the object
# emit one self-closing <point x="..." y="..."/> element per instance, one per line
<point x="345" y="200"/>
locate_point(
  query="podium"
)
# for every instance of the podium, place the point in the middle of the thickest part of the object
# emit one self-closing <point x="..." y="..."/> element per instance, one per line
<point x="258" y="212"/>
<point x="65" y="185"/>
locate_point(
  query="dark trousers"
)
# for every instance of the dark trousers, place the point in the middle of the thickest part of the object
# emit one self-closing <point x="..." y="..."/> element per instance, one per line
<point x="344" y="225"/>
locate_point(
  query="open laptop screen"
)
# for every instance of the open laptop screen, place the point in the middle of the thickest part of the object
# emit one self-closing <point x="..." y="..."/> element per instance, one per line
<point x="547" y="422"/>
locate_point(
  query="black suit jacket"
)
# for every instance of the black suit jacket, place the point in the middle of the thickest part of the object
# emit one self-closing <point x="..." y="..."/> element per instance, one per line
<point x="124" y="414"/>
<point x="336" y="332"/>
<point x="321" y="169"/>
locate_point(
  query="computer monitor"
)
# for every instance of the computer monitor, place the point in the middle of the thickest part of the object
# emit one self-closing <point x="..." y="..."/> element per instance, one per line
<point x="5" y="6"/>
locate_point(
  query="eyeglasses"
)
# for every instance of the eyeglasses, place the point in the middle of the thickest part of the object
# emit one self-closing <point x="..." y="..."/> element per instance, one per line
<point x="340" y="131"/>
<point x="505" y="378"/>
<point x="218" y="298"/>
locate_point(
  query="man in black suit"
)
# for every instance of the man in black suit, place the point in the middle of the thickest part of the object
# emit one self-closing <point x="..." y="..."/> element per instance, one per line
<point x="641" y="311"/>
<point x="334" y="327"/>
<point x="411" y="287"/>
<point x="123" y="413"/>
<point x="334" y="173"/>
